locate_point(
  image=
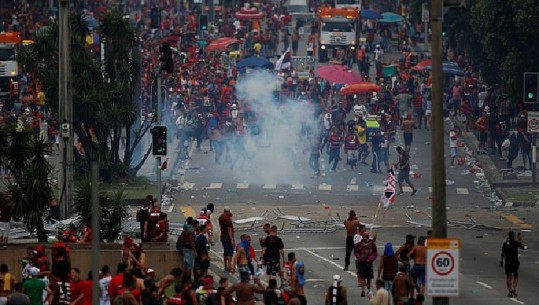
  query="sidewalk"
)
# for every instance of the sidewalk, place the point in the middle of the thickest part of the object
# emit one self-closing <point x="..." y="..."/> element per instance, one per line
<point x="512" y="186"/>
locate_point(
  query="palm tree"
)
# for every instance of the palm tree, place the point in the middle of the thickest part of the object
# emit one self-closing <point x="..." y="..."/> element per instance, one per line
<point x="31" y="187"/>
<point x="112" y="209"/>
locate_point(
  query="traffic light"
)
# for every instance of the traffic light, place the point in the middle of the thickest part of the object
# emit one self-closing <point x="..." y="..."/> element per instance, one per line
<point x="203" y="22"/>
<point x="531" y="87"/>
<point x="159" y="140"/>
<point x="167" y="64"/>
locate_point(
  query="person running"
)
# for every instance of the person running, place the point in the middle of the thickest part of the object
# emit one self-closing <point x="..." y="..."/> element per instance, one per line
<point x="336" y="294"/>
<point x="351" y="224"/>
<point x="404" y="170"/>
<point x="510" y="257"/>
<point x="334" y="142"/>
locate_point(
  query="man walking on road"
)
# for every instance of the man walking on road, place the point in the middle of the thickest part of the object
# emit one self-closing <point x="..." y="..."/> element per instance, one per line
<point x="404" y="170"/>
<point x="351" y="224"/>
<point x="272" y="253"/>
<point x="510" y="254"/>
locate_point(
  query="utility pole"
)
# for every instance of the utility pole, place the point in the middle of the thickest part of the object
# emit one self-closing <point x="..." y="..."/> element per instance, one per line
<point x="158" y="121"/>
<point x="65" y="181"/>
<point x="439" y="216"/>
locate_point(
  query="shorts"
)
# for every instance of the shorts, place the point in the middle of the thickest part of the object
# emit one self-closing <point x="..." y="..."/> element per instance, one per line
<point x="511" y="268"/>
<point x="419" y="273"/>
<point x="404" y="175"/>
<point x="384" y="155"/>
<point x="453" y="152"/>
<point x="365" y="269"/>
<point x="273" y="267"/>
<point x="188" y="258"/>
<point x="4" y="229"/>
<point x="408" y="137"/>
<point x="228" y="248"/>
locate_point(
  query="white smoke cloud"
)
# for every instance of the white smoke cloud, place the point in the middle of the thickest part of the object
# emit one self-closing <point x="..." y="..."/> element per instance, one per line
<point x="281" y="152"/>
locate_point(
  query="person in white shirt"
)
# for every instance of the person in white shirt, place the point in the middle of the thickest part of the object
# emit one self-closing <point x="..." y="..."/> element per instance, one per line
<point x="104" y="298"/>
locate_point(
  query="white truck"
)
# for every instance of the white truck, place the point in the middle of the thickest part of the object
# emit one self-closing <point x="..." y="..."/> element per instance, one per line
<point x="9" y="68"/>
<point x="339" y="28"/>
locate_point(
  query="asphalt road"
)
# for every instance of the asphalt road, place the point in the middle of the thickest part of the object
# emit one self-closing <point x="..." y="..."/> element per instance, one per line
<point x="325" y="199"/>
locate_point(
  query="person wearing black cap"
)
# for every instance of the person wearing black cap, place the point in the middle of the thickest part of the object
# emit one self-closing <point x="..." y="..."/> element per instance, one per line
<point x="404" y="170"/>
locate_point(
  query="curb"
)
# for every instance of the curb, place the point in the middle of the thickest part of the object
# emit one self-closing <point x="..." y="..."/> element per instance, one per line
<point x="491" y="172"/>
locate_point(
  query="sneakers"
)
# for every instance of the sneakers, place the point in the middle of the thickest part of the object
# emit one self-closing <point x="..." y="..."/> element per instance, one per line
<point x="413" y="192"/>
<point x="363" y="293"/>
<point x="400" y="192"/>
<point x="345" y="268"/>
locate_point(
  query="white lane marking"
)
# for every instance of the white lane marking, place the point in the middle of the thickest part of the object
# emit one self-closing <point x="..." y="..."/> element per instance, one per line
<point x="170" y="208"/>
<point x="324" y="187"/>
<point x="462" y="191"/>
<point x="407" y="189"/>
<point x="188" y="185"/>
<point x="213" y="186"/>
<point x="484" y="285"/>
<point x="242" y="185"/>
<point x="352" y="188"/>
<point x="315" y="280"/>
<point x="327" y="260"/>
<point x="430" y="189"/>
<point x="517" y="301"/>
<point x="378" y="188"/>
<point x="269" y="186"/>
<point x="297" y="186"/>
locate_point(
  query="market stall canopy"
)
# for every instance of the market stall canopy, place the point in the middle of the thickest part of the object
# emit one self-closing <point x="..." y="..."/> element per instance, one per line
<point x="370" y="14"/>
<point x="220" y="44"/>
<point x="362" y="87"/>
<point x="255" y="62"/>
<point x="339" y="74"/>
<point x="249" y="13"/>
<point x="389" y="17"/>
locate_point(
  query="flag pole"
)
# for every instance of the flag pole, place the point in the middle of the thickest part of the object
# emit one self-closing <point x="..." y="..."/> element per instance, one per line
<point x="375" y="216"/>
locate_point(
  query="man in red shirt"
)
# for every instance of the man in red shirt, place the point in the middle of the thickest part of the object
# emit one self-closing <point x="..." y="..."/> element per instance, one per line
<point x="335" y="140"/>
<point x="351" y="147"/>
<point x="227" y="237"/>
<point x="162" y="226"/>
<point x="77" y="294"/>
<point x="117" y="281"/>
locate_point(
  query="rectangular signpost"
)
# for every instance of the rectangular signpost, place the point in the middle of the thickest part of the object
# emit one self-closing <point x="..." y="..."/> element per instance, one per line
<point x="443" y="267"/>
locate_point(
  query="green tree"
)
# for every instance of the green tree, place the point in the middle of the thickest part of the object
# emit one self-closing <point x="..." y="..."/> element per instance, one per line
<point x="31" y="187"/>
<point x="104" y="111"/>
<point x="112" y="209"/>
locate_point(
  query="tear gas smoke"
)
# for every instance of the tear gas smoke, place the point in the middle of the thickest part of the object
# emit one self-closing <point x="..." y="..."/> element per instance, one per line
<point x="282" y="147"/>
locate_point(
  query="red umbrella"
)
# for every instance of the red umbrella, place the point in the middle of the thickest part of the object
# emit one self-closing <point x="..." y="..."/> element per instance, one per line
<point x="422" y="65"/>
<point x="221" y="44"/>
<point x="249" y="13"/>
<point x="362" y="87"/>
<point x="339" y="74"/>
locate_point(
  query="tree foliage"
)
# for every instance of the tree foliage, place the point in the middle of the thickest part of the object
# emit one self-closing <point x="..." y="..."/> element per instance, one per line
<point x="112" y="209"/>
<point x="500" y="38"/>
<point x="104" y="113"/>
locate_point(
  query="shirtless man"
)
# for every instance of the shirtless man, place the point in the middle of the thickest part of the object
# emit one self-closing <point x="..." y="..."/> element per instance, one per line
<point x="242" y="257"/>
<point x="245" y="292"/>
<point x="419" y="253"/>
<point x="351" y="224"/>
<point x="408" y="126"/>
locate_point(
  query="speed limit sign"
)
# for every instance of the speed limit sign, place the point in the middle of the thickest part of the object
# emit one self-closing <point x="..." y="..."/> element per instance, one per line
<point x="533" y="121"/>
<point x="443" y="256"/>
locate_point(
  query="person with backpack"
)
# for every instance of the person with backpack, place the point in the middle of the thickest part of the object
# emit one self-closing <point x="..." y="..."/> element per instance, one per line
<point x="336" y="294"/>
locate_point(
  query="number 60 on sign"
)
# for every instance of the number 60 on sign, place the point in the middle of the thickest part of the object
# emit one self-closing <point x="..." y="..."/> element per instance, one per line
<point x="443" y="264"/>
